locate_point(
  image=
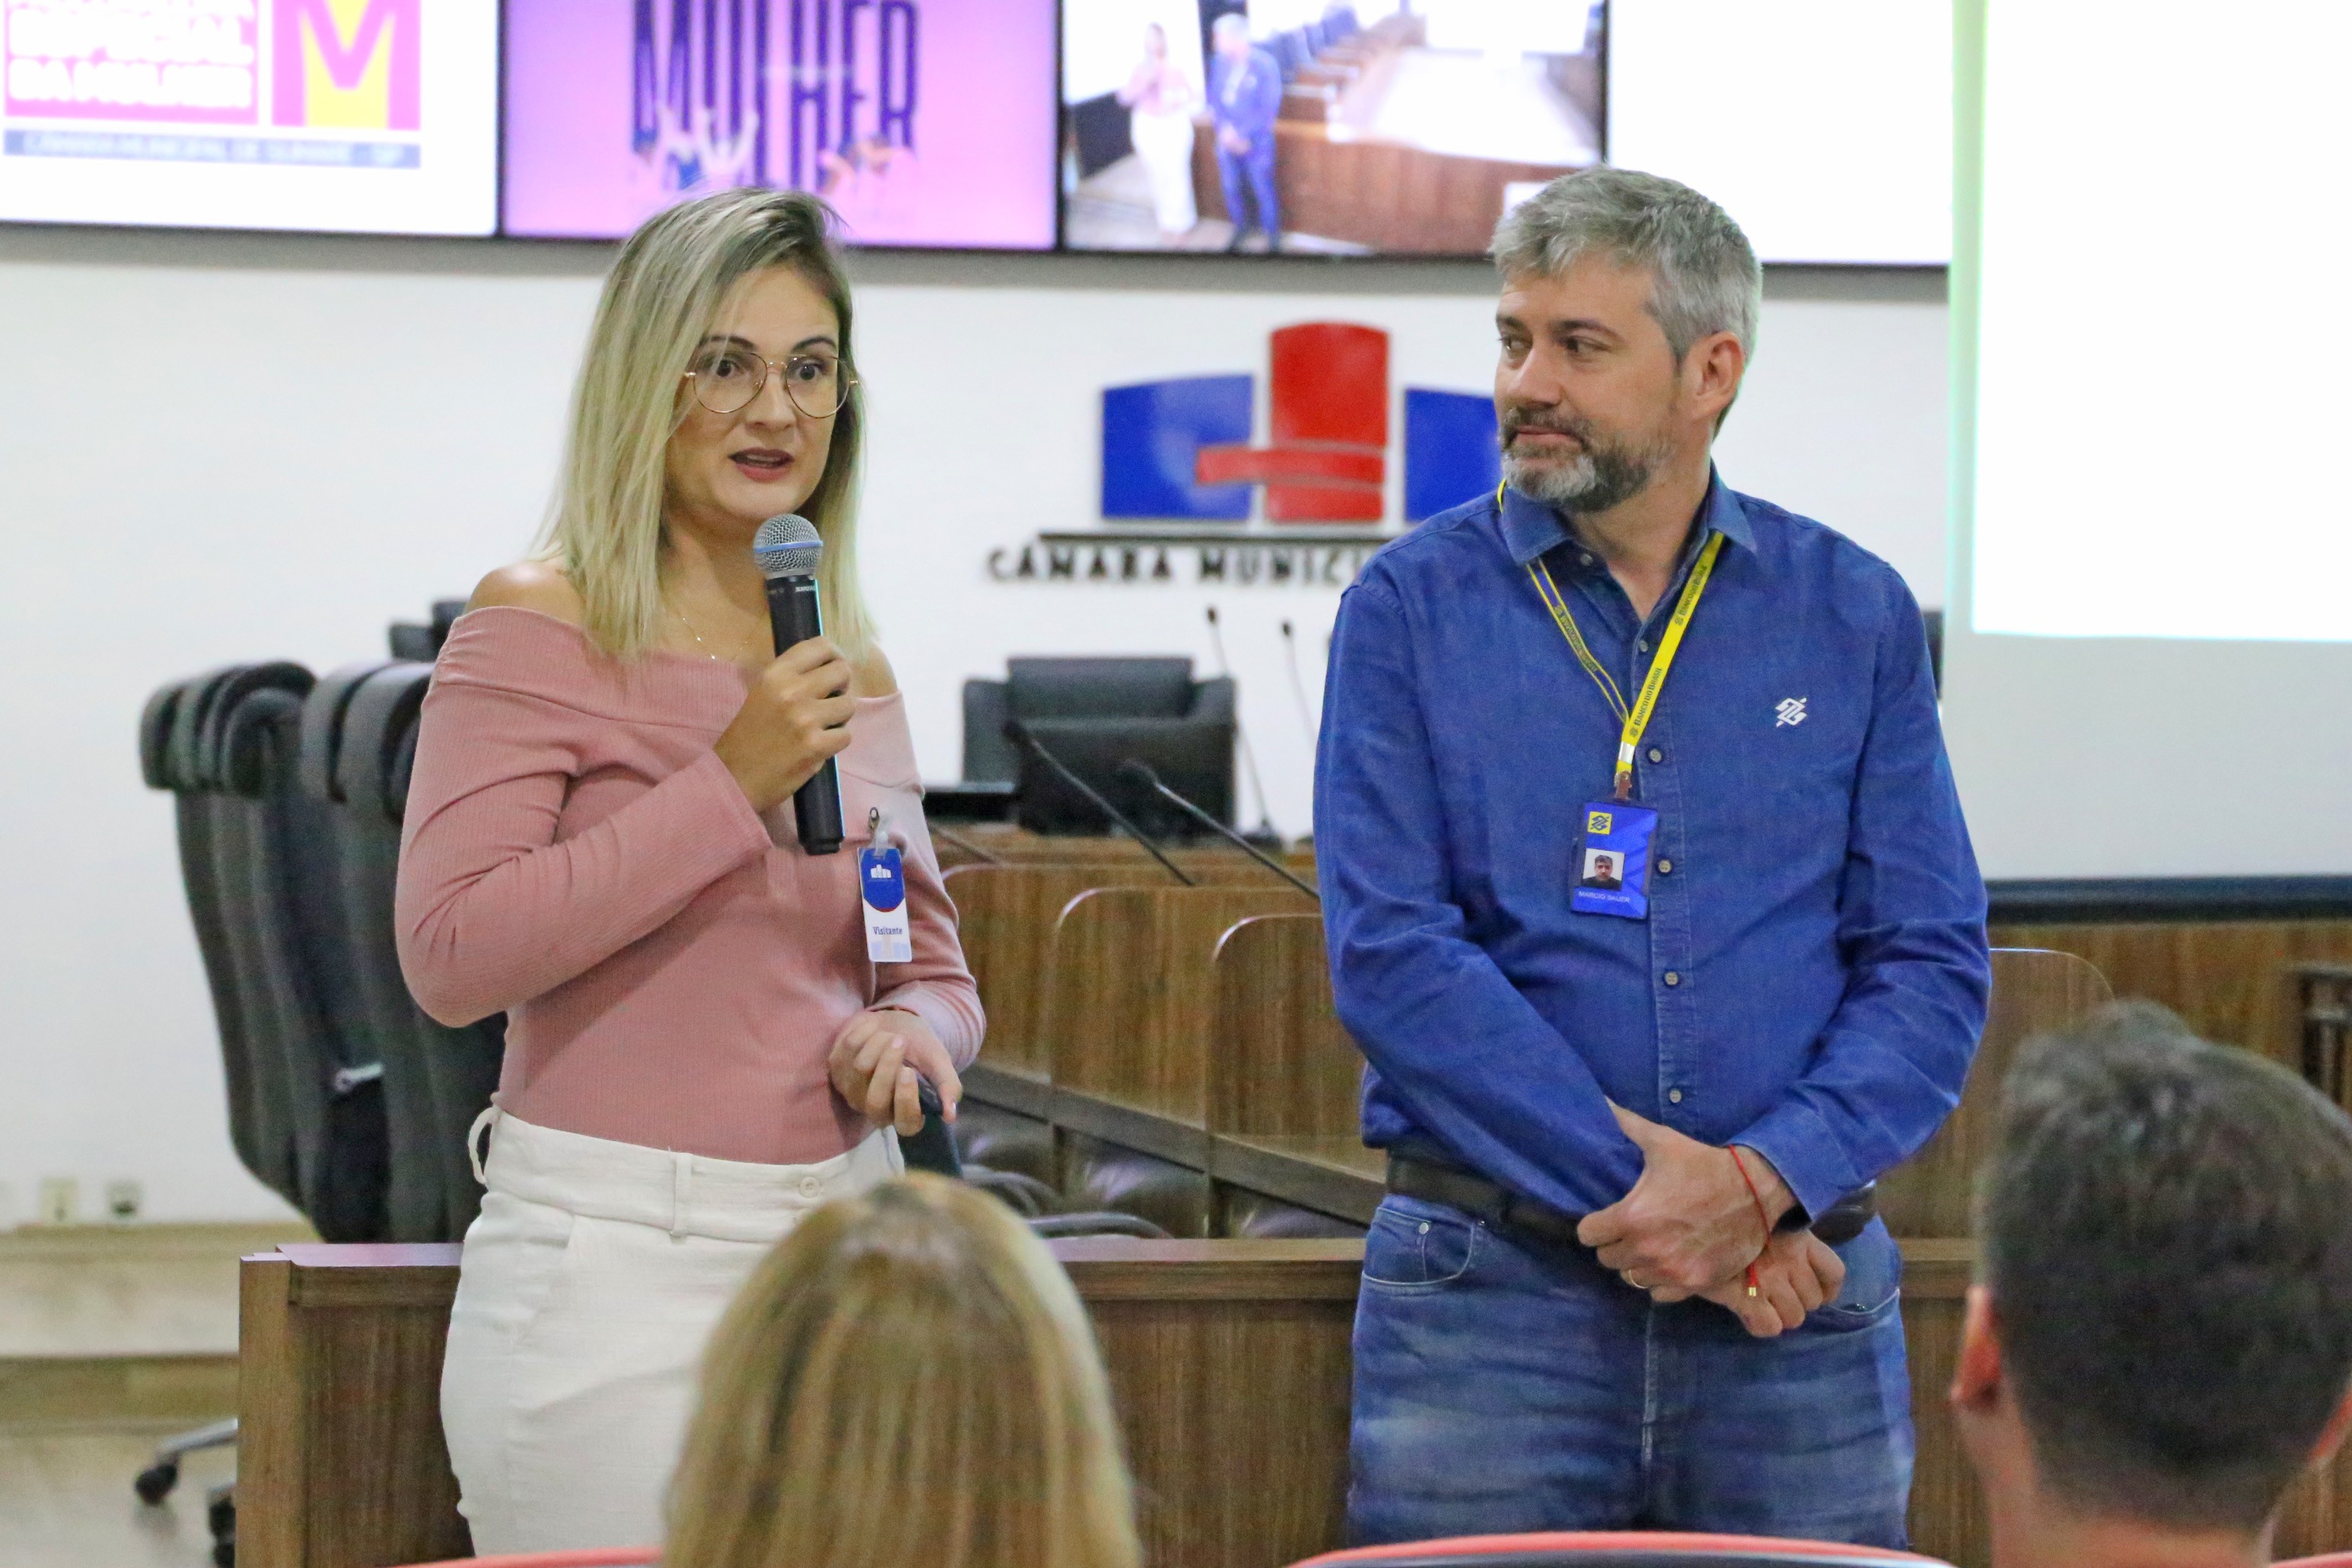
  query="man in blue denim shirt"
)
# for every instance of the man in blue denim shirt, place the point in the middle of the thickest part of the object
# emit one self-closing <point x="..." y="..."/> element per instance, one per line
<point x="1593" y="1298"/>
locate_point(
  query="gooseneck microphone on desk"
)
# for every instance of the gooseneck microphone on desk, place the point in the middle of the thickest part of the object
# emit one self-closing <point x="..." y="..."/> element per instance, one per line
<point x="1241" y="732"/>
<point x="789" y="551"/>
<point x="1142" y="772"/>
<point x="1018" y="733"/>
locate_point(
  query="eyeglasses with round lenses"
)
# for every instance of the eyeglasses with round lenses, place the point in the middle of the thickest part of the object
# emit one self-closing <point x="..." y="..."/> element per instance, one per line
<point x="726" y="377"/>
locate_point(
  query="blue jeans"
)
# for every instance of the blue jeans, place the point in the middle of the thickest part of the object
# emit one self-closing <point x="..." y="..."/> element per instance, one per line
<point x="1252" y="171"/>
<point x="1503" y="1388"/>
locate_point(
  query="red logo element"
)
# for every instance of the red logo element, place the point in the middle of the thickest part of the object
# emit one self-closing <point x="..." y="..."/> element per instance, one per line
<point x="1330" y="414"/>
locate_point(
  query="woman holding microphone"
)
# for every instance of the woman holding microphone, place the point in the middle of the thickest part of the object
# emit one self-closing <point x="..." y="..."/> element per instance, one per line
<point x="701" y="1047"/>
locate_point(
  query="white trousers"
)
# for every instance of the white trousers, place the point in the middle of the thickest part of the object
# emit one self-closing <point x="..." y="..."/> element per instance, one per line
<point x="1164" y="142"/>
<point x="589" y="1286"/>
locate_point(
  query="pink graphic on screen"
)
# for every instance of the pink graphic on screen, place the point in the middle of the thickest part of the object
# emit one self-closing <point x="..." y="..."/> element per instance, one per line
<point x="311" y="38"/>
<point x="130" y="60"/>
<point x="925" y="123"/>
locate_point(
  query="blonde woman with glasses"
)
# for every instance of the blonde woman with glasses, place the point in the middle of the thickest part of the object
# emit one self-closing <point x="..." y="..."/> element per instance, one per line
<point x="908" y="1380"/>
<point x="599" y="842"/>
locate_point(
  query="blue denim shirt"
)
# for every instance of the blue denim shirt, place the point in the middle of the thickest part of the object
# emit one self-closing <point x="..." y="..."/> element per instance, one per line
<point x="1812" y="978"/>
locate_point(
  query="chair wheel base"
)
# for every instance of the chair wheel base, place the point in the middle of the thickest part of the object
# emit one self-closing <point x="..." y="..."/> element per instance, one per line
<point x="155" y="1482"/>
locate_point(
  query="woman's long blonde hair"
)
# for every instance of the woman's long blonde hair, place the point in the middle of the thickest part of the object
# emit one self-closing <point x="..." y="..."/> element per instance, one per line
<point x="908" y="1379"/>
<point x="664" y="292"/>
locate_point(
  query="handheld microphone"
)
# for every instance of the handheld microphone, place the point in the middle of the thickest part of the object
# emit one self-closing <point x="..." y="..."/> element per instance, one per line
<point x="1142" y="771"/>
<point x="789" y="550"/>
<point x="1241" y="732"/>
<point x="1018" y="733"/>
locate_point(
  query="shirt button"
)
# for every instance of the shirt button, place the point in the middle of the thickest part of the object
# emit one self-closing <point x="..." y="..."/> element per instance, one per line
<point x="1643" y="646"/>
<point x="1657" y="756"/>
<point x="1666" y="868"/>
<point x="1584" y="560"/>
<point x="1674" y="1095"/>
<point x="811" y="1186"/>
<point x="1674" y="977"/>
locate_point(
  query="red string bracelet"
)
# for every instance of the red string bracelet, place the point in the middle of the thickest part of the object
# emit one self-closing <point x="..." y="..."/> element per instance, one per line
<point x="1758" y="1198"/>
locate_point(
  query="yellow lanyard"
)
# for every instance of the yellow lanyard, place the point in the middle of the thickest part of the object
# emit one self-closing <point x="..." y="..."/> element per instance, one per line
<point x="1636" y="719"/>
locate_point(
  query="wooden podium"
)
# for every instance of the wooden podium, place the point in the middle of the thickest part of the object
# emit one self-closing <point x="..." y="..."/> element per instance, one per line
<point x="1228" y="1362"/>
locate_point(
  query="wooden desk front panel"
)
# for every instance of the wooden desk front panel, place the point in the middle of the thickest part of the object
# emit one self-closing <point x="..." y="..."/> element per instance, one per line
<point x="2227" y="978"/>
<point x="1127" y="1004"/>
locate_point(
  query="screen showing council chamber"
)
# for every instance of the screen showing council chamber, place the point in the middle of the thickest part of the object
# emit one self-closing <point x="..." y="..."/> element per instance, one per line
<point x="1340" y="126"/>
<point x="370" y="116"/>
<point x="924" y="122"/>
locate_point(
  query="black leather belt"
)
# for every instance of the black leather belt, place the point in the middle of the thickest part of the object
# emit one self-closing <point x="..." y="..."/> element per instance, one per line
<point x="1514" y="1215"/>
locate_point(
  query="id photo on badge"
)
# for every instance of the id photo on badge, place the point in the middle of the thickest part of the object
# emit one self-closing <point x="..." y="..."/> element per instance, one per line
<point x="1604" y="870"/>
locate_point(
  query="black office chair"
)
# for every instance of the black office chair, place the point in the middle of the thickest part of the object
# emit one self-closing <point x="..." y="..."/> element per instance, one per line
<point x="1093" y="714"/>
<point x="327" y="1067"/>
<point x="433" y="1196"/>
<point x="461" y="1064"/>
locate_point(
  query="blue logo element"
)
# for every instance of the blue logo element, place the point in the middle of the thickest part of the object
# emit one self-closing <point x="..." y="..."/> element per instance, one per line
<point x="1152" y="441"/>
<point x="1154" y="434"/>
<point x="882" y="879"/>
<point x="1450" y="455"/>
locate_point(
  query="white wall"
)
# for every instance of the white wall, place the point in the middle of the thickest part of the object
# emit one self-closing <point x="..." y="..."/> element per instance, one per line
<point x="222" y="447"/>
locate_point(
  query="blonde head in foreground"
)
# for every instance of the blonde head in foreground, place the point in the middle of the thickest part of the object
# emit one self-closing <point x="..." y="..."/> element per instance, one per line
<point x="909" y="1378"/>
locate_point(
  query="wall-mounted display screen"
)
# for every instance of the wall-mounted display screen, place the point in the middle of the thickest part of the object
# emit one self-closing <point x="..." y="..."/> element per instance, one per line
<point x="924" y="122"/>
<point x="373" y="116"/>
<point x="1343" y="127"/>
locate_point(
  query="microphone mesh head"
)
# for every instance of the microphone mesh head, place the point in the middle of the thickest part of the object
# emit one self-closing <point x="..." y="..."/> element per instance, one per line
<point x="787" y="545"/>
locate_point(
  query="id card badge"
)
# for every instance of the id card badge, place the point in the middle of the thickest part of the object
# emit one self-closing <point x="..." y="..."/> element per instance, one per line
<point x="882" y="893"/>
<point x="1612" y="861"/>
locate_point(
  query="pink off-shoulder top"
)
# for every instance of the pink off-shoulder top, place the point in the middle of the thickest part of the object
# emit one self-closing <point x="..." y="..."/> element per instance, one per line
<point x="674" y="968"/>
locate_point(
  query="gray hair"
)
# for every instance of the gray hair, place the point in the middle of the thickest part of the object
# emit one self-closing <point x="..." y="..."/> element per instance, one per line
<point x="1705" y="275"/>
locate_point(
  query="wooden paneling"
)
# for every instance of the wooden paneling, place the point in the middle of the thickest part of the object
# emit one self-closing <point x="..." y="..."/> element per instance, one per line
<point x="2033" y="993"/>
<point x="339" y="1457"/>
<point x="1390" y="196"/>
<point x="2231" y="980"/>
<point x="1228" y="1361"/>
<point x="1279" y="1063"/>
<point x="1947" y="1508"/>
<point x="1127" y="1004"/>
<point x="1007" y="915"/>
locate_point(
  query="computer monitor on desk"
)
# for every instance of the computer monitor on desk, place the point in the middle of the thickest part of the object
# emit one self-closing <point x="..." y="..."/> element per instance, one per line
<point x="1195" y="760"/>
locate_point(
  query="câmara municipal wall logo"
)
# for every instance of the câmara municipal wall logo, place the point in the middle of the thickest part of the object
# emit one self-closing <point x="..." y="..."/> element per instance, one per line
<point x="1191" y="492"/>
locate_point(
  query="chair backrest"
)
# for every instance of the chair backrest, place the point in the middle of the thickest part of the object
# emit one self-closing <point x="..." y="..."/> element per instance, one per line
<point x="167" y="761"/>
<point x="273" y="1024"/>
<point x="353" y="722"/>
<point x="292" y="934"/>
<point x="1618" y="1549"/>
<point x="439" y="1079"/>
<point x="1099" y="688"/>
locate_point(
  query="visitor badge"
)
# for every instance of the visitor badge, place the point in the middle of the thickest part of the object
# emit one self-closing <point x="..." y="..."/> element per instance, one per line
<point x="882" y="890"/>
<point x="1612" y="861"/>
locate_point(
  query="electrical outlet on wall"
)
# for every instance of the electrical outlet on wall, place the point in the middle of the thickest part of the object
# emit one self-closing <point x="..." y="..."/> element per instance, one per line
<point x="123" y="1200"/>
<point x="60" y="1200"/>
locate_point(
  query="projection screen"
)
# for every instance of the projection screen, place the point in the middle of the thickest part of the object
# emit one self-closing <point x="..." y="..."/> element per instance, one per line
<point x="2148" y="665"/>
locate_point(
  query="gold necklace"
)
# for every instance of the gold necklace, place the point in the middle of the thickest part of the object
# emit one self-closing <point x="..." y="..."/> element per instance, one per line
<point x="694" y="631"/>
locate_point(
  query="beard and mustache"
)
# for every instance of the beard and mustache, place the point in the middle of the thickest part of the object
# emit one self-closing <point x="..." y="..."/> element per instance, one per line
<point x="1603" y="473"/>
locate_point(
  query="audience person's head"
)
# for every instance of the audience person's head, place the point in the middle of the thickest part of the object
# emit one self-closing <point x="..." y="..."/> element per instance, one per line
<point x="909" y="1378"/>
<point x="1229" y="36"/>
<point x="721" y="287"/>
<point x="2162" y="1338"/>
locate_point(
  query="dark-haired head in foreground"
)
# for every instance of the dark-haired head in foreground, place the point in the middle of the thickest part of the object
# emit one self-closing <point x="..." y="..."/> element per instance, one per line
<point x="2162" y="1339"/>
